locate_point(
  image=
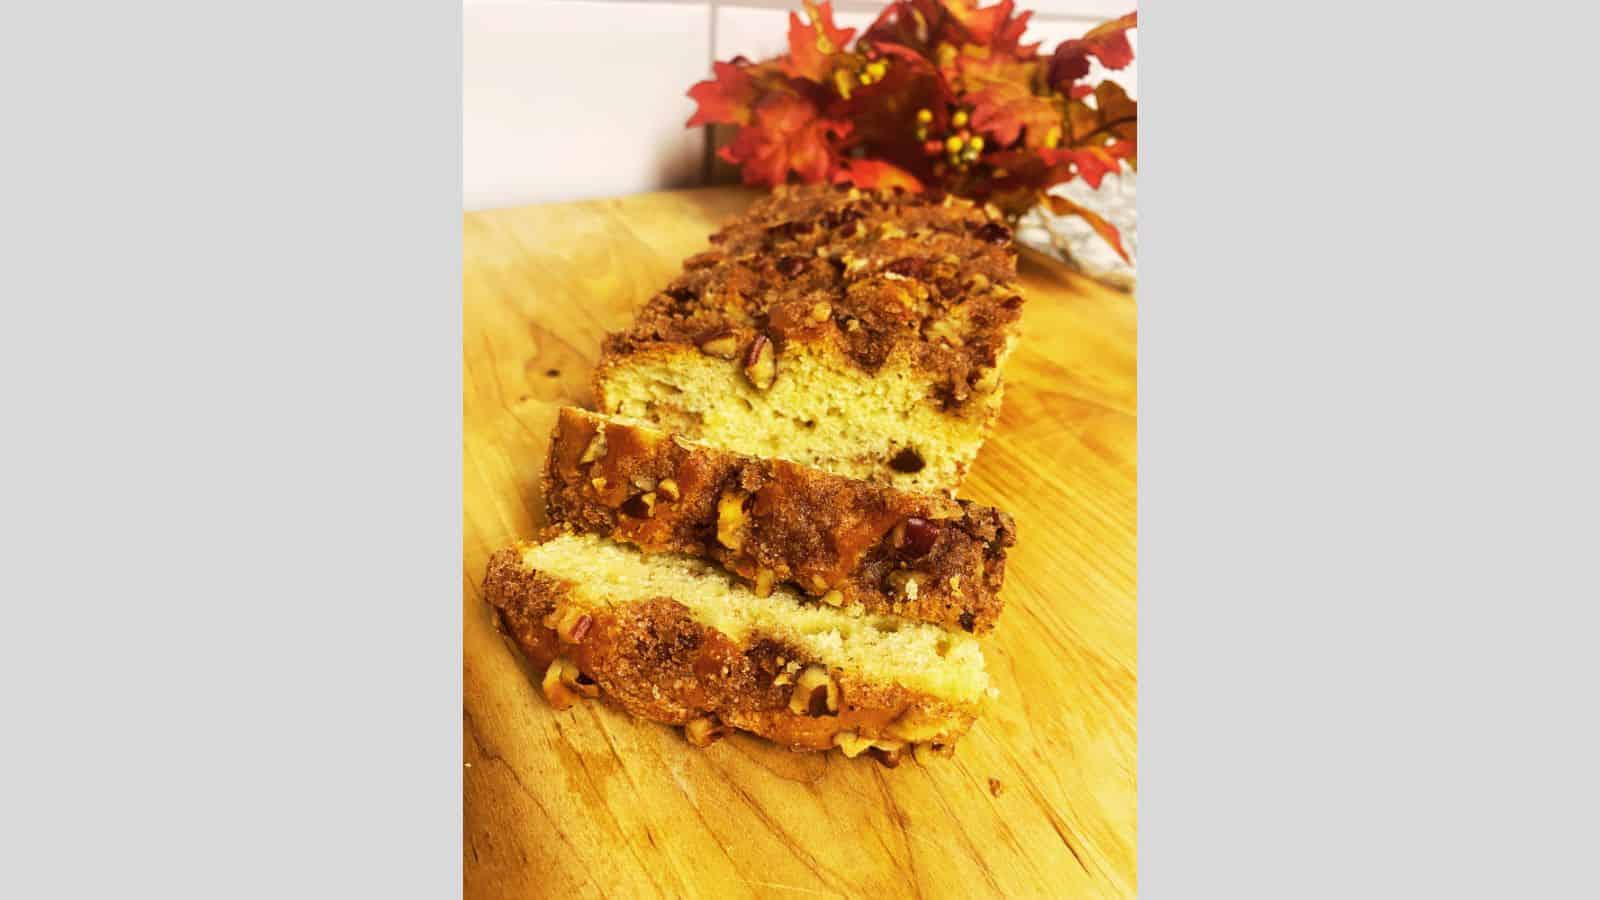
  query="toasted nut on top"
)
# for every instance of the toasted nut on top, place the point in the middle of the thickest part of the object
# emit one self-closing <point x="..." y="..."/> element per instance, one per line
<point x="704" y="731"/>
<point x="730" y="519"/>
<point x="834" y="597"/>
<point x="595" y="449"/>
<point x="821" y="311"/>
<point x="667" y="488"/>
<point x="761" y="363"/>
<point x="723" y="345"/>
<point x="815" y="693"/>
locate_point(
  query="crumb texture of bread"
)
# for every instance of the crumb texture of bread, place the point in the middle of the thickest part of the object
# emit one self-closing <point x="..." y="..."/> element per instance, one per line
<point x="675" y="641"/>
<point x="858" y="332"/>
<point x="835" y="540"/>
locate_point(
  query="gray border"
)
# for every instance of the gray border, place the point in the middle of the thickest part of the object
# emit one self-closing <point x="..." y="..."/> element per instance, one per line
<point x="232" y="483"/>
<point x="1367" y="454"/>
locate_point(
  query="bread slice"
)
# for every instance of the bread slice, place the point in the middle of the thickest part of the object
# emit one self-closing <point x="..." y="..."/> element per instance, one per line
<point x="835" y="540"/>
<point x="676" y="640"/>
<point x="858" y="332"/>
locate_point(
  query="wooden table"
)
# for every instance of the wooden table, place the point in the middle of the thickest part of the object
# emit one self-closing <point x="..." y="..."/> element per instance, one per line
<point x="1040" y="797"/>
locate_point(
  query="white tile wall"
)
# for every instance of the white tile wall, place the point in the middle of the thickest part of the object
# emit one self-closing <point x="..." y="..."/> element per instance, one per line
<point x="565" y="98"/>
<point x="579" y="98"/>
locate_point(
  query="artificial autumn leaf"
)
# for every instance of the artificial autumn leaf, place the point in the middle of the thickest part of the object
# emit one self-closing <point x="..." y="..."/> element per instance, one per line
<point x="726" y="99"/>
<point x="936" y="94"/>
<point x="1107" y="42"/>
<point x="981" y="23"/>
<point x="874" y="173"/>
<point x="812" y="44"/>
<point x="1003" y="102"/>
<point x="1111" y="124"/>
<point x="786" y="134"/>
<point x="1062" y="206"/>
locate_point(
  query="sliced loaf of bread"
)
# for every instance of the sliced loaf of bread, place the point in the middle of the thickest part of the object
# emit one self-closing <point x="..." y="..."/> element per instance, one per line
<point x="677" y="640"/>
<point x="836" y="541"/>
<point x="858" y="332"/>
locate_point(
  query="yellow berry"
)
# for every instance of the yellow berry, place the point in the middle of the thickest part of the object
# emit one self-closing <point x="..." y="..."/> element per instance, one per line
<point x="953" y="144"/>
<point x="924" y="116"/>
<point x="959" y="120"/>
<point x="976" y="143"/>
<point x="877" y="69"/>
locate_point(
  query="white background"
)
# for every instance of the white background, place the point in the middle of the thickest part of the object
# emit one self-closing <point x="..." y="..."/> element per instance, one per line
<point x="581" y="98"/>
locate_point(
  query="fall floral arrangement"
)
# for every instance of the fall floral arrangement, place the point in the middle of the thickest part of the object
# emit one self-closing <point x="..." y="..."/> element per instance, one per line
<point x="935" y="95"/>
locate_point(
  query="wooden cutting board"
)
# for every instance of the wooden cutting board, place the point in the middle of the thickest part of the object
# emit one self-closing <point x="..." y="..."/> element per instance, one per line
<point x="1040" y="797"/>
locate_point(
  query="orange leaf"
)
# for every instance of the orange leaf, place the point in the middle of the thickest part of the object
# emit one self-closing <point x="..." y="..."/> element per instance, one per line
<point x="787" y="133"/>
<point x="1061" y="206"/>
<point x="725" y="99"/>
<point x="1114" y="118"/>
<point x="875" y="173"/>
<point x="1003" y="102"/>
<point x="812" y="43"/>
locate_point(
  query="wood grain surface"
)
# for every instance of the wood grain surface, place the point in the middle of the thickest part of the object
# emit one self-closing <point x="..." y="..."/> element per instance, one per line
<point x="1040" y="797"/>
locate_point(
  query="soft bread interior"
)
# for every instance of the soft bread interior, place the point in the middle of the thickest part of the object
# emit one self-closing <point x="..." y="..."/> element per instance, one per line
<point x="884" y="649"/>
<point x="822" y="411"/>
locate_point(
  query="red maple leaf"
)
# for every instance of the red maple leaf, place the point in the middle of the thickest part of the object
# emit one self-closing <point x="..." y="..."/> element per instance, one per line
<point x="724" y="99"/>
<point x="811" y="44"/>
<point x="787" y="133"/>
<point x="1107" y="42"/>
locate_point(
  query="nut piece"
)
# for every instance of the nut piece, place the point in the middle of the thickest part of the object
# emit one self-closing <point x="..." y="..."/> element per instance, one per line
<point x="903" y="584"/>
<point x="821" y="311"/>
<point x="668" y="489"/>
<point x="854" y="745"/>
<point x="642" y="506"/>
<point x="723" y="345"/>
<point x="704" y="731"/>
<point x="915" y="537"/>
<point x="996" y="788"/>
<point x="571" y="624"/>
<point x="764" y="579"/>
<point x="596" y="448"/>
<point x="890" y="759"/>
<point x="919" y="726"/>
<point x="791" y="266"/>
<point x="761" y="363"/>
<point x="815" y="693"/>
<point x="564" y="683"/>
<point x="834" y="597"/>
<point x="730" y="520"/>
<point x="643" y="482"/>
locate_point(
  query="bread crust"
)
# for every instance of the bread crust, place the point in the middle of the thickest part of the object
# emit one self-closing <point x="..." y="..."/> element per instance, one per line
<point x="873" y="274"/>
<point x="856" y="543"/>
<point x="654" y="660"/>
